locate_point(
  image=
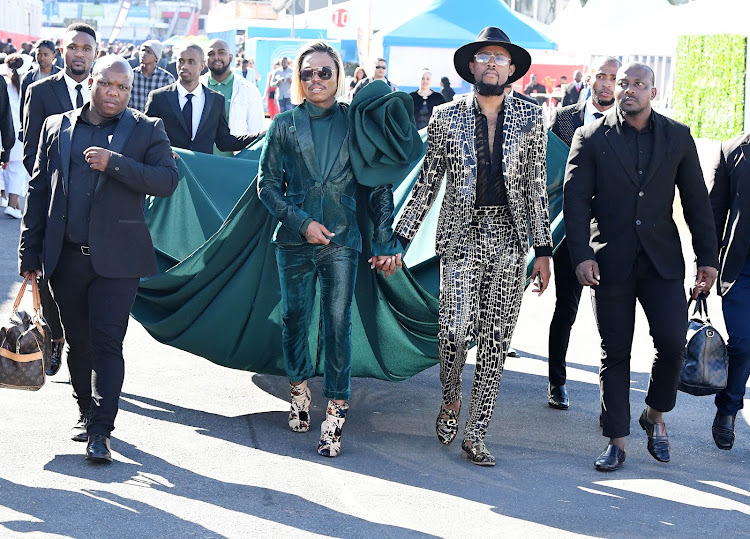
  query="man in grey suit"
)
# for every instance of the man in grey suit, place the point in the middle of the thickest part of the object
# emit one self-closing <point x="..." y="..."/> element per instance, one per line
<point x="490" y="148"/>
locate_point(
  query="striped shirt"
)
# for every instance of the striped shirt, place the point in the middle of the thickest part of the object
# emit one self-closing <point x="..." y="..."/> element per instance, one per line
<point x="142" y="86"/>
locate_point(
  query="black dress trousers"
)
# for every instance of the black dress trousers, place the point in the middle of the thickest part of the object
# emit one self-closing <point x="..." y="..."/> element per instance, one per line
<point x="94" y="311"/>
<point x="665" y="305"/>
<point x="567" y="297"/>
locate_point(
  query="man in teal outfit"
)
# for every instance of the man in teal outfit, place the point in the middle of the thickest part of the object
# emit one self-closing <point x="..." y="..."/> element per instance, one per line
<point x="306" y="181"/>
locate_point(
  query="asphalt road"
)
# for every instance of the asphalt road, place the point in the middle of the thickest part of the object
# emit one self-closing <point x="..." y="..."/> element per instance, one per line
<point x="204" y="451"/>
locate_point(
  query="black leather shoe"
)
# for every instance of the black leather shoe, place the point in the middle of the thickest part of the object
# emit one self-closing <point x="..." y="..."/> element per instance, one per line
<point x="723" y="430"/>
<point x="98" y="449"/>
<point x="611" y="459"/>
<point x="55" y="358"/>
<point x="512" y="352"/>
<point x="658" y="441"/>
<point x="78" y="433"/>
<point x="557" y="397"/>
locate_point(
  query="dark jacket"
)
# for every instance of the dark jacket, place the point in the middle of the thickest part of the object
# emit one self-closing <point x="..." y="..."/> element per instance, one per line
<point x="572" y="94"/>
<point x="119" y="240"/>
<point x="609" y="210"/>
<point x="43" y="98"/>
<point x="164" y="103"/>
<point x="28" y="80"/>
<point x="291" y="187"/>
<point x="566" y="120"/>
<point x="730" y="201"/>
<point x="7" y="133"/>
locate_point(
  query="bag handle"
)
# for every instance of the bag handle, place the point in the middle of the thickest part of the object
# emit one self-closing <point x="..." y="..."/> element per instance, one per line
<point x="34" y="293"/>
<point x="701" y="306"/>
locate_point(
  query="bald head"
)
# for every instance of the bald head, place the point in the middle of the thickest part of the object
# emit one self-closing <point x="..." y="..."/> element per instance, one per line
<point x="113" y="62"/>
<point x="219" y="59"/>
<point x="643" y="70"/>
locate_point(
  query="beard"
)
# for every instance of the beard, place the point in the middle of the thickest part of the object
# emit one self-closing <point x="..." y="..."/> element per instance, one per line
<point x="219" y="71"/>
<point x="603" y="103"/>
<point x="489" y="89"/>
<point x="77" y="72"/>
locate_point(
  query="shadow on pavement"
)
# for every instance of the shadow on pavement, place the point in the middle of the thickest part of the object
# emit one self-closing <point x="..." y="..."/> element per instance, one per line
<point x="545" y="456"/>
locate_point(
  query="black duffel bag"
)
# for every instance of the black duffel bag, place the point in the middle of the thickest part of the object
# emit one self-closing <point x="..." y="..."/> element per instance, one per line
<point x="25" y="345"/>
<point x="705" y="362"/>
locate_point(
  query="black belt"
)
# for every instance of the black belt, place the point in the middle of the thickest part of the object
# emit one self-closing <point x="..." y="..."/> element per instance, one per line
<point x="85" y="249"/>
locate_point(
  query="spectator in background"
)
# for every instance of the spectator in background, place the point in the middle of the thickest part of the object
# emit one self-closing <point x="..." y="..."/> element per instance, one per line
<point x="147" y="76"/>
<point x="563" y="82"/>
<point x="166" y="56"/>
<point x="447" y="91"/>
<point x="425" y="99"/>
<point x="359" y="74"/>
<point x="272" y="107"/>
<point x="15" y="177"/>
<point x="380" y="69"/>
<point x="243" y="103"/>
<point x="282" y="80"/>
<point x="7" y="134"/>
<point x="534" y="87"/>
<point x="573" y="90"/>
<point x="246" y="71"/>
<point x="45" y="56"/>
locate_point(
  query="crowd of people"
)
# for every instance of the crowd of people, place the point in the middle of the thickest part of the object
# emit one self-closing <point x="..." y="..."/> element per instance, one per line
<point x="95" y="138"/>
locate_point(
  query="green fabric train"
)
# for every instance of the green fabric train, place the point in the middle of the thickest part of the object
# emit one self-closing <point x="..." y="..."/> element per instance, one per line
<point x="217" y="294"/>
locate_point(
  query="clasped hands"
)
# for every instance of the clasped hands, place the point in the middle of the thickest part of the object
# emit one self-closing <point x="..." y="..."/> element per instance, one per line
<point x="317" y="234"/>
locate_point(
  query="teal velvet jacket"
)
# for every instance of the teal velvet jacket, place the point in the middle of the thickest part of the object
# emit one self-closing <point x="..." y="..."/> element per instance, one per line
<point x="291" y="186"/>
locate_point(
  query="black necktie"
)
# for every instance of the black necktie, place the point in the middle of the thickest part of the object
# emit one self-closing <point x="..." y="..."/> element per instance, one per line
<point x="79" y="97"/>
<point x="187" y="113"/>
<point x="598" y="115"/>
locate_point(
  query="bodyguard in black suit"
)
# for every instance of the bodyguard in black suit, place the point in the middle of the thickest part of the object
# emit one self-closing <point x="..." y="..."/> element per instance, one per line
<point x="55" y="94"/>
<point x="84" y="231"/>
<point x="619" y="189"/>
<point x="194" y="116"/>
<point x="730" y="201"/>
<point x="564" y="123"/>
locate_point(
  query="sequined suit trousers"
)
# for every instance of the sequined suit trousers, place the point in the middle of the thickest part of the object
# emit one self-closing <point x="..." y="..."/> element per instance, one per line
<point x="481" y="287"/>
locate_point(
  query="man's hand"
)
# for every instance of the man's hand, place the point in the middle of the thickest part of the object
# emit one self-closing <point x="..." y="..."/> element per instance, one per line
<point x="3" y="166"/>
<point x="704" y="280"/>
<point x="541" y="274"/>
<point x="388" y="264"/>
<point x="588" y="273"/>
<point x="318" y="234"/>
<point x="97" y="158"/>
<point x="37" y="273"/>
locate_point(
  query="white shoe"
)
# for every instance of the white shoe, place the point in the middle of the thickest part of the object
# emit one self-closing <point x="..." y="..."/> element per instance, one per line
<point x="12" y="212"/>
<point x="3" y="202"/>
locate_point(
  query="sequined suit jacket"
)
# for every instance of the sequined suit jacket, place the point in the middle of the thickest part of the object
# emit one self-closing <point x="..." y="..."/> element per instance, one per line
<point x="451" y="154"/>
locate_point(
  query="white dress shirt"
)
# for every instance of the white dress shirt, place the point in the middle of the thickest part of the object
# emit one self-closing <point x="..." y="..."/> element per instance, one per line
<point x="85" y="89"/>
<point x="588" y="113"/>
<point x="199" y="100"/>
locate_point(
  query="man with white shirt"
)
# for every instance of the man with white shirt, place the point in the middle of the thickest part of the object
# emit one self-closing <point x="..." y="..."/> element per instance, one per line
<point x="194" y="115"/>
<point x="564" y="123"/>
<point x="242" y="99"/>
<point x="66" y="90"/>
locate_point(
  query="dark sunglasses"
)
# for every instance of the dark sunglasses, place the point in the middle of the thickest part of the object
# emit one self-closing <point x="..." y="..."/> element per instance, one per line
<point x="325" y="73"/>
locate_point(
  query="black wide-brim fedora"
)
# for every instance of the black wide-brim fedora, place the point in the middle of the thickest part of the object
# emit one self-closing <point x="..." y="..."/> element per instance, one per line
<point x="491" y="35"/>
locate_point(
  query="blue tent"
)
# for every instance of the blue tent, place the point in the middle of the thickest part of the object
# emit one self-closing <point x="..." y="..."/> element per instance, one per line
<point x="451" y="23"/>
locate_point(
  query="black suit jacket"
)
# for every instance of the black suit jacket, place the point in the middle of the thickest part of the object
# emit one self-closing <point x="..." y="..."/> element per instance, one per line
<point x="565" y="121"/>
<point x="28" y="80"/>
<point x="571" y="94"/>
<point x="730" y="201"/>
<point x="43" y="98"/>
<point x="7" y="133"/>
<point x="164" y="103"/>
<point x="119" y="240"/>
<point x="609" y="209"/>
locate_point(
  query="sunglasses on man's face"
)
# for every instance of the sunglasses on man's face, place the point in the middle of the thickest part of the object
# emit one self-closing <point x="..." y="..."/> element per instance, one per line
<point x="325" y="73"/>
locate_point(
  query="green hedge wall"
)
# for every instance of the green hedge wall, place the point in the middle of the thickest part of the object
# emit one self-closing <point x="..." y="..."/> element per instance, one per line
<point x="709" y="86"/>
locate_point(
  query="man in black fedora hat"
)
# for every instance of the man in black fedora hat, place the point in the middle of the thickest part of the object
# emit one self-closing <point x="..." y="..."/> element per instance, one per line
<point x="491" y="149"/>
